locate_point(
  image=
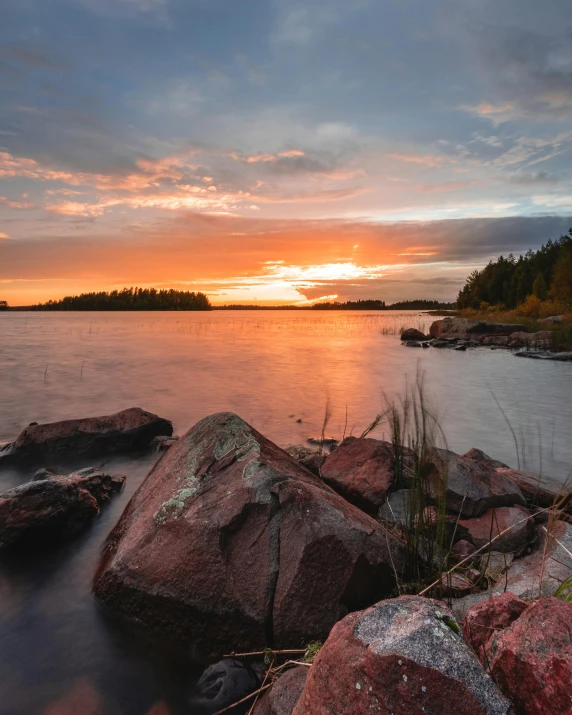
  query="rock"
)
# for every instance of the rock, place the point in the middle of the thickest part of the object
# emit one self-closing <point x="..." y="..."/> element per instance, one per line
<point x="402" y="657"/>
<point x="485" y="619"/>
<point x="53" y="509"/>
<point x="162" y="443"/>
<point x="460" y="347"/>
<point x="454" y="585"/>
<point x="412" y="334"/>
<point x="314" y="463"/>
<point x="541" y="339"/>
<point x="425" y="345"/>
<point x="552" y="320"/>
<point x="124" y="431"/>
<point x="462" y="549"/>
<point x="545" y="355"/>
<point x="500" y="341"/>
<point x="223" y="684"/>
<point x="397" y="508"/>
<point x="539" y="573"/>
<point x="482" y="530"/>
<point x="531" y="658"/>
<point x="472" y="488"/>
<point x="230" y="544"/>
<point x="412" y="344"/>
<point x="82" y="698"/>
<point x="284" y="694"/>
<point x="478" y="455"/>
<point x="362" y="471"/>
<point x="323" y="441"/>
<point x="471" y="329"/>
<point x="495" y="563"/>
<point x="441" y="344"/>
<point x="537" y="490"/>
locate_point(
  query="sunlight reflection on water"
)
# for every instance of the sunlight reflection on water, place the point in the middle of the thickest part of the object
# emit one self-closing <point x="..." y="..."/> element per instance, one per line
<point x="272" y="368"/>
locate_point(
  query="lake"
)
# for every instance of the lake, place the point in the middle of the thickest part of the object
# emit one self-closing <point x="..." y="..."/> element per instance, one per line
<point x="277" y="370"/>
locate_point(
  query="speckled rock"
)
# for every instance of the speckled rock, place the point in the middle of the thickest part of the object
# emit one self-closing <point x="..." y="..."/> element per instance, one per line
<point x="362" y="471"/>
<point x="485" y="619"/>
<point x="396" y="509"/>
<point x="57" y="442"/>
<point x="494" y="523"/>
<point x="472" y="487"/>
<point x="531" y="659"/>
<point x="402" y="657"/>
<point x="232" y="545"/>
<point x="284" y="694"/>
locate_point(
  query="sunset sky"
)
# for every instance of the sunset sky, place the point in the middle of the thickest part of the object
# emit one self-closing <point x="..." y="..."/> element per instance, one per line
<point x="279" y="151"/>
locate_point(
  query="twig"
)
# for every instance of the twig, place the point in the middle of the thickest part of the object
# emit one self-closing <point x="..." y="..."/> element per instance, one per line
<point x="258" y="694"/>
<point x="471" y="556"/>
<point x="239" y="702"/>
<point x="262" y="652"/>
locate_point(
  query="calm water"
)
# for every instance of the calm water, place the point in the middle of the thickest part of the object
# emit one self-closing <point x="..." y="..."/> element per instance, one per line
<point x="272" y="368"/>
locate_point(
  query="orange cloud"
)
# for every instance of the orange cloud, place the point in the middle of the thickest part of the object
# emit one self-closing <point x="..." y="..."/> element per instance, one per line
<point x="432" y="160"/>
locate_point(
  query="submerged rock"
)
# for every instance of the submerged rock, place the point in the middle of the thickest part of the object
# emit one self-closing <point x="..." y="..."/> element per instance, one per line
<point x="402" y="657"/>
<point x="55" y="508"/>
<point x="412" y="344"/>
<point x="124" y="431"/>
<point x="412" y="334"/>
<point x="233" y="545"/>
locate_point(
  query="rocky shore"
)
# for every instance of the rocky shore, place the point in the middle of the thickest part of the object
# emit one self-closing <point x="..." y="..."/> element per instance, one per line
<point x="461" y="334"/>
<point x="299" y="573"/>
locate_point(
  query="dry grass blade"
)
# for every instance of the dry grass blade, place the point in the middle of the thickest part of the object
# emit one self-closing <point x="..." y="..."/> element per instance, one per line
<point x="243" y="700"/>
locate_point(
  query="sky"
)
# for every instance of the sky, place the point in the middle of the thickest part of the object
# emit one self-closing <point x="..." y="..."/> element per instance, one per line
<point x="279" y="151"/>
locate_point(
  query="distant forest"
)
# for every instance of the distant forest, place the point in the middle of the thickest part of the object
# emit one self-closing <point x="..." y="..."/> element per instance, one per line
<point x="509" y="282"/>
<point x="153" y="299"/>
<point x="348" y="305"/>
<point x="130" y="299"/>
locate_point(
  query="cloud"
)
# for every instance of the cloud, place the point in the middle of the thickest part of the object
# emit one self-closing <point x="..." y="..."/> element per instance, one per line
<point x="529" y="69"/>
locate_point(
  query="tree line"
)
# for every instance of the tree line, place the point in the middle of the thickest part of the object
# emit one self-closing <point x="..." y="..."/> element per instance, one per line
<point x="130" y="299"/>
<point x="508" y="282"/>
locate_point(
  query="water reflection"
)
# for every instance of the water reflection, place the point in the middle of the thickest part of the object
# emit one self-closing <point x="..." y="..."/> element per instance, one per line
<point x="271" y="368"/>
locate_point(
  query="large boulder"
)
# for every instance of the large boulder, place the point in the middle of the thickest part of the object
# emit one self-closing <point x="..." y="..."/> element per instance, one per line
<point x="471" y="329"/>
<point x="284" y="694"/>
<point x="54" y="508"/>
<point x="472" y="487"/>
<point x="531" y="659"/>
<point x="232" y="545"/>
<point x="509" y="529"/>
<point x="362" y="471"/>
<point x="124" y="431"/>
<point x="402" y="657"/>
